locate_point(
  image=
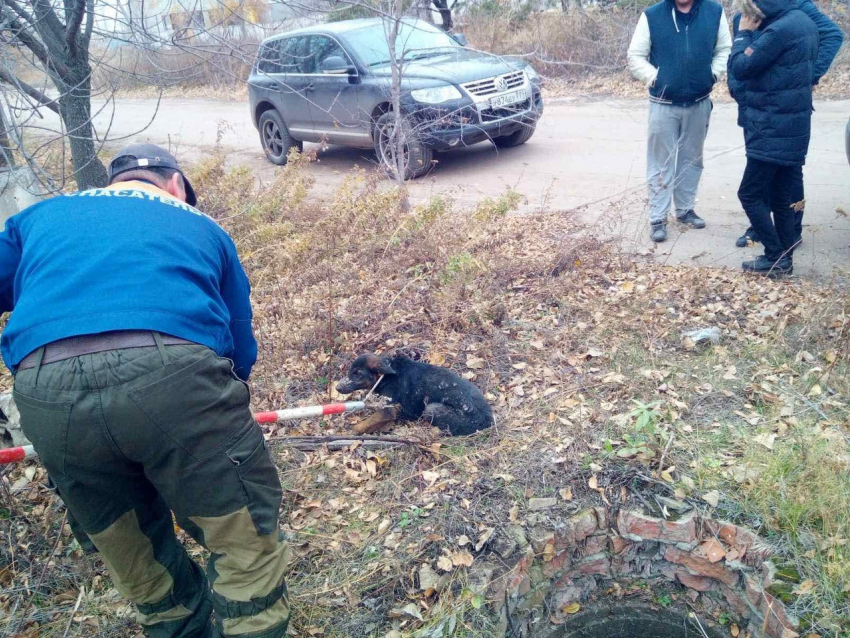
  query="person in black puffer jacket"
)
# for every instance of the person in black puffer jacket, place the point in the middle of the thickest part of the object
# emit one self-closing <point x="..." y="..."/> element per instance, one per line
<point x="776" y="65"/>
<point x="830" y="38"/>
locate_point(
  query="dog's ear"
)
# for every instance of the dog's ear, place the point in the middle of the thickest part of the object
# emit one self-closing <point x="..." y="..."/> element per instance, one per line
<point x="379" y="364"/>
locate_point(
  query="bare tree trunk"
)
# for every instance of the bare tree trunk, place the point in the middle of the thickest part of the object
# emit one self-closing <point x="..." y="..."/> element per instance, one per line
<point x="399" y="131"/>
<point x="6" y="157"/>
<point x="445" y="14"/>
<point x="75" y="109"/>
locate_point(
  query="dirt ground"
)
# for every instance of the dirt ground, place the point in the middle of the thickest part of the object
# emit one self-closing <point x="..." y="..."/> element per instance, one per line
<point x="587" y="155"/>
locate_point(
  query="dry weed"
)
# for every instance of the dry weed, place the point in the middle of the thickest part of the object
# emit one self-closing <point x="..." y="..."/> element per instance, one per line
<point x="580" y="351"/>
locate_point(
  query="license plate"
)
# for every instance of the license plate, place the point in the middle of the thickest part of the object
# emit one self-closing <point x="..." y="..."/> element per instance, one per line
<point x="508" y="98"/>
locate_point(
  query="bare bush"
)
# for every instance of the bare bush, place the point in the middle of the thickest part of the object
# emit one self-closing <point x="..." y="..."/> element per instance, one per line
<point x="561" y="44"/>
<point x="218" y="65"/>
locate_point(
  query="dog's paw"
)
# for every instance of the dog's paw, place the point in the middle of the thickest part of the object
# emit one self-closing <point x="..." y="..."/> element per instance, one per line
<point x="377" y="422"/>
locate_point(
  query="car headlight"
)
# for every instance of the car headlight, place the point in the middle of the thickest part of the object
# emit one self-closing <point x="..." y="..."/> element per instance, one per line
<point x="531" y="73"/>
<point x="436" y="95"/>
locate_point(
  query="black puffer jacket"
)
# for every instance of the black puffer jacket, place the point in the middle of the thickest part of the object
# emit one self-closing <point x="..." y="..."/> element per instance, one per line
<point x="776" y="67"/>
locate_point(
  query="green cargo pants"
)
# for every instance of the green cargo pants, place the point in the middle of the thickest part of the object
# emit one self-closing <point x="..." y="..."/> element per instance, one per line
<point x="130" y="436"/>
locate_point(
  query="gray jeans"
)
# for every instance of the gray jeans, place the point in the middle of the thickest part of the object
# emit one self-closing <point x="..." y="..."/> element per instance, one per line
<point x="674" y="156"/>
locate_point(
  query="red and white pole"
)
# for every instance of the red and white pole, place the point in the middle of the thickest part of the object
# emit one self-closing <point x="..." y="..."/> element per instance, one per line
<point x="15" y="454"/>
<point x="308" y="411"/>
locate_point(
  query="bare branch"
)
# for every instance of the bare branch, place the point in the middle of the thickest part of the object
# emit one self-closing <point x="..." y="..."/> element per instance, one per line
<point x="27" y="37"/>
<point x="31" y="91"/>
<point x="72" y="29"/>
<point x="89" y="23"/>
<point x="48" y="25"/>
<point x="23" y="13"/>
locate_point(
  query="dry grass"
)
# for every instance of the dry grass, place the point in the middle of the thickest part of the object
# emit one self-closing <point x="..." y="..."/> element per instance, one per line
<point x="578" y="348"/>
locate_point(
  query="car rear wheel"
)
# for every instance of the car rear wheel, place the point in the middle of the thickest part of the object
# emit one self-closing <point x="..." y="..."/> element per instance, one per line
<point x="520" y="136"/>
<point x="275" y="138"/>
<point x="416" y="160"/>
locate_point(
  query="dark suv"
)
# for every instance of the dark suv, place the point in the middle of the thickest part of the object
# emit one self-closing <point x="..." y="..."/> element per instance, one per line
<point x="333" y="83"/>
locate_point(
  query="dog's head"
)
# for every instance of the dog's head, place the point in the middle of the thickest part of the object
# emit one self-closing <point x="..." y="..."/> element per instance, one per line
<point x="364" y="372"/>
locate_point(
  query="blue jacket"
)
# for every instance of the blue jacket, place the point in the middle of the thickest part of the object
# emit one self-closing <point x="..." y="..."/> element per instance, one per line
<point x="776" y="65"/>
<point x="682" y="53"/>
<point x="125" y="257"/>
<point x="830" y="39"/>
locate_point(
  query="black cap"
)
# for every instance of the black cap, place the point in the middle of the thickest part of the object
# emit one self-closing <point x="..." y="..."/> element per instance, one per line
<point x="141" y="156"/>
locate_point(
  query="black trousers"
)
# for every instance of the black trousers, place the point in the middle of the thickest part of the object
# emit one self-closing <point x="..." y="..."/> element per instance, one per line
<point x="764" y="186"/>
<point x="130" y="436"/>
<point x="798" y="198"/>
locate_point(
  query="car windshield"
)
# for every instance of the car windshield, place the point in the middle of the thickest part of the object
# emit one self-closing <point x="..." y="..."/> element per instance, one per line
<point x="416" y="40"/>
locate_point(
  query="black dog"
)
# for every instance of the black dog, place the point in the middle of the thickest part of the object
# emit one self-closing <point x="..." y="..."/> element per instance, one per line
<point x="422" y="390"/>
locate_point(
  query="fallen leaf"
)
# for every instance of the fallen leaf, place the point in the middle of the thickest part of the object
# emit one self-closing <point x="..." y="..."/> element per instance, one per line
<point x="593" y="482"/>
<point x="410" y="609"/>
<point x="566" y="493"/>
<point x="384" y="525"/>
<point x="430" y="476"/>
<point x="427" y="577"/>
<point x="445" y="563"/>
<point x="461" y="558"/>
<point x="734" y="630"/>
<point x="463" y="540"/>
<point x="804" y="588"/>
<point x="572" y="608"/>
<point x="436" y="358"/>
<point x="513" y="513"/>
<point x="483" y="537"/>
<point x="765" y="440"/>
<point x="712" y="498"/>
<point x="475" y="363"/>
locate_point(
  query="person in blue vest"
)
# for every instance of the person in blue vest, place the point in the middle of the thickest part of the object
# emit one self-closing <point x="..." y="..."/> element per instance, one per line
<point x="131" y="343"/>
<point x="679" y="50"/>
<point x="774" y="55"/>
<point x="830" y="39"/>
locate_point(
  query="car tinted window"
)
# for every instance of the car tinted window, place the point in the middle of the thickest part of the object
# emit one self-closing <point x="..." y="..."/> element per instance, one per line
<point x="293" y="54"/>
<point x="320" y="48"/>
<point x="415" y="38"/>
<point x="268" y="59"/>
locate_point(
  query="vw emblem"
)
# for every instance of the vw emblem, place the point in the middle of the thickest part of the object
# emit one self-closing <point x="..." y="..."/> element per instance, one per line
<point x="501" y="84"/>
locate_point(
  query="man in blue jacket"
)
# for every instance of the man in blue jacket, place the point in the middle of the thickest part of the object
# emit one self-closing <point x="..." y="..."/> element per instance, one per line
<point x="774" y="55"/>
<point x="830" y="39"/>
<point x="679" y="50"/>
<point x="131" y="342"/>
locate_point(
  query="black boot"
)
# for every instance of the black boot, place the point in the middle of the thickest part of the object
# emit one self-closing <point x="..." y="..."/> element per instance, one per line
<point x="748" y="236"/>
<point x="765" y="266"/>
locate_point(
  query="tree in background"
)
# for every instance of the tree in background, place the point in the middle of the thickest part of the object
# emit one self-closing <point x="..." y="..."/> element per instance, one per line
<point x="61" y="47"/>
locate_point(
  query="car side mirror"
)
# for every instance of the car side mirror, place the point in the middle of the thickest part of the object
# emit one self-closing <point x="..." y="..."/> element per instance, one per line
<point x="336" y="65"/>
<point x="460" y="39"/>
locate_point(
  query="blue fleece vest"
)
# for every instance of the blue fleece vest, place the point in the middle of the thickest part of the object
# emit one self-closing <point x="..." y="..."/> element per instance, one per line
<point x="682" y="53"/>
<point x="124" y="257"/>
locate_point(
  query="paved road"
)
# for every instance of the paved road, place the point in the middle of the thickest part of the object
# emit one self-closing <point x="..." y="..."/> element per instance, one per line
<point x="587" y="156"/>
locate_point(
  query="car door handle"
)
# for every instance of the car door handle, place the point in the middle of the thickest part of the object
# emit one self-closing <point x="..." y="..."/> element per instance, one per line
<point x="310" y="87"/>
<point x="270" y="85"/>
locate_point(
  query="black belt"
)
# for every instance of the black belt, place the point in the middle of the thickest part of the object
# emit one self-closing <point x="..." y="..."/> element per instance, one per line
<point x="89" y="344"/>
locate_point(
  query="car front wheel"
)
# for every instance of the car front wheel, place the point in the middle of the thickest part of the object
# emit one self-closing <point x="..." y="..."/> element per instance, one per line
<point x="520" y="136"/>
<point x="415" y="158"/>
<point x="275" y="138"/>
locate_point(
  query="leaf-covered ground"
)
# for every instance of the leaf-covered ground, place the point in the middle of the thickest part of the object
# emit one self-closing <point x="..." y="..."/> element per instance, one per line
<point x="599" y="395"/>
